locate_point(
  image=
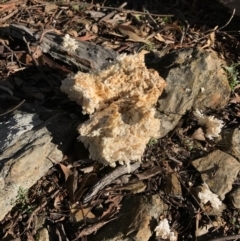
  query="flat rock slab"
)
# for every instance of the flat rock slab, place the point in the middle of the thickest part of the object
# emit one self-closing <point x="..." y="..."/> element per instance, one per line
<point x="33" y="150"/>
<point x="195" y="79"/>
<point x="219" y="170"/>
<point x="136" y="221"/>
<point x="230" y="142"/>
<point x="234" y="198"/>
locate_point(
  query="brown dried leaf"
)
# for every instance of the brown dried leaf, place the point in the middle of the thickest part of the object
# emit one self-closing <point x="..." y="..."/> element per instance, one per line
<point x="88" y="26"/>
<point x="78" y="214"/>
<point x="67" y="172"/>
<point x="198" y="135"/>
<point x="113" y="208"/>
<point x="237" y="86"/>
<point x="95" y="14"/>
<point x="120" y="17"/>
<point x="10" y="6"/>
<point x="11" y="66"/>
<point x="212" y="38"/>
<point x="137" y="187"/>
<point x="69" y="13"/>
<point x="30" y="237"/>
<point x="149" y="173"/>
<point x="71" y="185"/>
<point x="129" y="31"/>
<point x="72" y="33"/>
<point x="93" y="229"/>
<point x="57" y="202"/>
<point x="159" y="37"/>
<point x="50" y="7"/>
<point x="144" y="30"/>
<point x="87" y="169"/>
<point x="86" y="37"/>
<point x="110" y="45"/>
<point x="1" y="49"/>
<point x="173" y="185"/>
<point x="4" y="41"/>
<point x="94" y="28"/>
<point x="235" y="99"/>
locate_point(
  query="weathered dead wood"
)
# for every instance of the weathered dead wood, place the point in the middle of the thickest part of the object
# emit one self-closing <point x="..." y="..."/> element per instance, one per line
<point x="86" y="57"/>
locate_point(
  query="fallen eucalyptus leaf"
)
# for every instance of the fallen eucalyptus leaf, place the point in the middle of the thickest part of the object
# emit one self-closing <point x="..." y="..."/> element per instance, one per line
<point x="129" y="31"/>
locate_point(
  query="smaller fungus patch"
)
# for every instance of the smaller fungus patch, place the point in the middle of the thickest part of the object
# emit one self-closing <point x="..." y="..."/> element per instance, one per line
<point x="163" y="231"/>
<point x="213" y="125"/>
<point x="69" y="43"/>
<point x="207" y="196"/>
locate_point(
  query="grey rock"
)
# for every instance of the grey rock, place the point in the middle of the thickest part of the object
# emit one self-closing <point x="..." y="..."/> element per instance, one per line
<point x="195" y="79"/>
<point x="13" y="128"/>
<point x="219" y="170"/>
<point x="230" y="142"/>
<point x="139" y="216"/>
<point x="234" y="198"/>
<point x="30" y="154"/>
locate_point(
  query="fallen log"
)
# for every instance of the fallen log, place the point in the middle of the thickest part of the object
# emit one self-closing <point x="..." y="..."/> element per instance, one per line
<point x="85" y="57"/>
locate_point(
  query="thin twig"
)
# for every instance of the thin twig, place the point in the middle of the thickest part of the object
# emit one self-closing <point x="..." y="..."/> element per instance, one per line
<point x="47" y="31"/>
<point x="137" y="12"/>
<point x="108" y="179"/>
<point x="30" y="52"/>
<point x="217" y="29"/>
<point x="91" y="229"/>
<point x="42" y="36"/>
<point x="12" y="109"/>
<point x="2" y="20"/>
<point x="174" y="159"/>
<point x="13" y="52"/>
<point x="231" y="237"/>
<point x="108" y="16"/>
<point x="230" y="19"/>
<point x="180" y="180"/>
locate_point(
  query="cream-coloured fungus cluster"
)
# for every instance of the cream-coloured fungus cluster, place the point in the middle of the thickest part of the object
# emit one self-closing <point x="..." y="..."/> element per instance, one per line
<point x="120" y="100"/>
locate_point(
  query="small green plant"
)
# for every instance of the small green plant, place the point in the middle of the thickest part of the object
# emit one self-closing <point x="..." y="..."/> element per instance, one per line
<point x="22" y="200"/>
<point x="150" y="46"/>
<point x="188" y="143"/>
<point x="37" y="237"/>
<point x="167" y="20"/>
<point x="152" y="142"/>
<point x="233" y="73"/>
<point x="75" y="7"/>
<point x="79" y="7"/>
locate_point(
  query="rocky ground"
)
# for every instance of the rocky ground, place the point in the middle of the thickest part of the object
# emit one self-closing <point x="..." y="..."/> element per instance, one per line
<point x="187" y="184"/>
